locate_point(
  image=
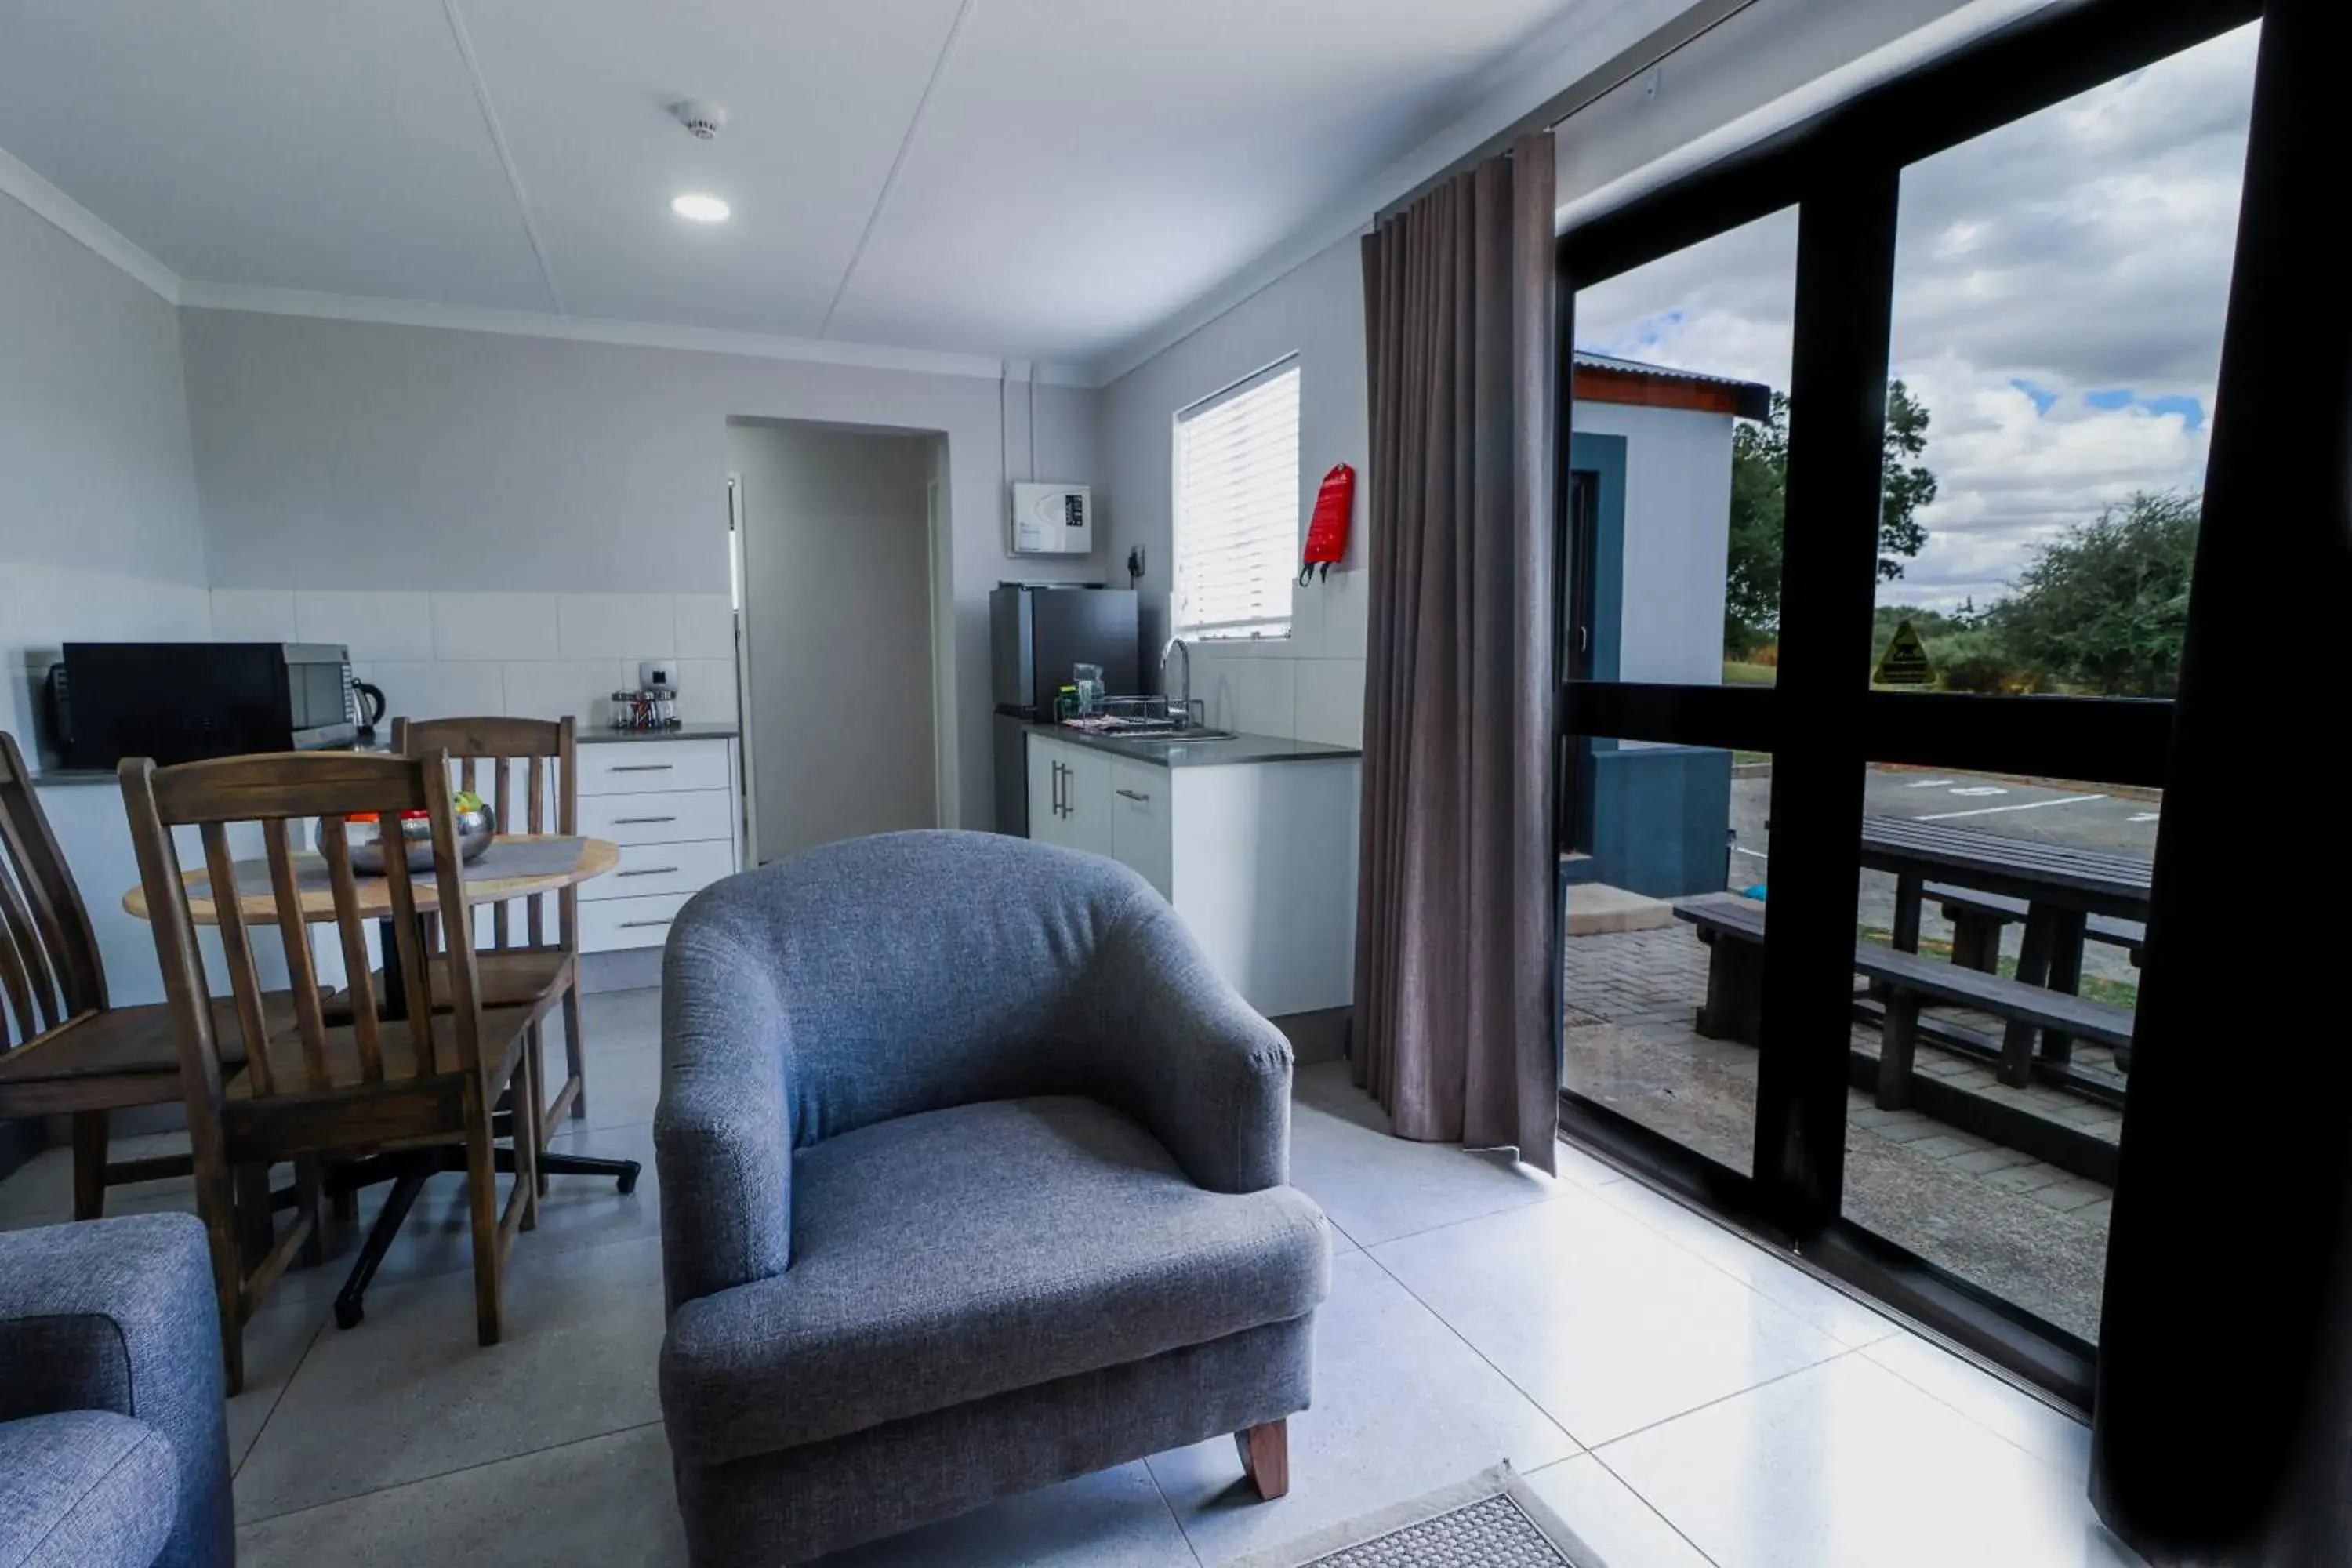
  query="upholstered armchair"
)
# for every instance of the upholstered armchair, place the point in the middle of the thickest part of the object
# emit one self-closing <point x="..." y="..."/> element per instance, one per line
<point x="113" y="1423"/>
<point x="972" y="1179"/>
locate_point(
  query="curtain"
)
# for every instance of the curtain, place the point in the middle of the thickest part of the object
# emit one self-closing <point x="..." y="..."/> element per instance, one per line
<point x="1454" y="945"/>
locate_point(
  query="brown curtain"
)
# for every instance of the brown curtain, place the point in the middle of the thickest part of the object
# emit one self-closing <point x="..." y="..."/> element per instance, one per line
<point x="1454" y="940"/>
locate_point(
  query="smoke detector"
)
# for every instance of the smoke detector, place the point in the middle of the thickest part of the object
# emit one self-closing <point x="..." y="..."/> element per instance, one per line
<point x="703" y="119"/>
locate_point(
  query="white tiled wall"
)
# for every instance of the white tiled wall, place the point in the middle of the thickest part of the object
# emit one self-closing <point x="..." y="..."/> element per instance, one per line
<point x="537" y="656"/>
<point x="42" y="606"/>
<point x="1308" y="686"/>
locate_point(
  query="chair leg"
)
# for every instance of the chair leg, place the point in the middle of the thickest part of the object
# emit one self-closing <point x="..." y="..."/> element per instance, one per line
<point x="574" y="1056"/>
<point x="528" y="1110"/>
<point x="216" y="1203"/>
<point x="1266" y="1457"/>
<point x="88" y="1164"/>
<point x="310" y="1191"/>
<point x="534" y="1088"/>
<point x="482" y="1204"/>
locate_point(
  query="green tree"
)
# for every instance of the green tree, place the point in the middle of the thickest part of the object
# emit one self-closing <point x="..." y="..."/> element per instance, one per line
<point x="2104" y="606"/>
<point x="1760" y="483"/>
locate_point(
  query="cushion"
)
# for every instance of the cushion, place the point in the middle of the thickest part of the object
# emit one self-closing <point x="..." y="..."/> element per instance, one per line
<point x="960" y="1253"/>
<point x="84" y="1488"/>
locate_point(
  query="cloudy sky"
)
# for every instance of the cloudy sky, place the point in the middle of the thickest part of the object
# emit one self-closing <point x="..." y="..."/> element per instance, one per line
<point x="2059" y="292"/>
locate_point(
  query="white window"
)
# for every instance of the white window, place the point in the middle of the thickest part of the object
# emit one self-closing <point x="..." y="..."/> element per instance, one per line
<point x="1237" y="508"/>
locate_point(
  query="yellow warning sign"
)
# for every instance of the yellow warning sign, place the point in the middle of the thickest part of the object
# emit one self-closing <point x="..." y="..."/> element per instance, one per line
<point x="1906" y="661"/>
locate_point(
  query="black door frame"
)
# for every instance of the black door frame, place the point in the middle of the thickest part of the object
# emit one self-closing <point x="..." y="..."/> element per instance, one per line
<point x="1821" y="722"/>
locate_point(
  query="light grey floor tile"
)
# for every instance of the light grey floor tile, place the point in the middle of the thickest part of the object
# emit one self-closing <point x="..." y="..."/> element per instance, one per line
<point x="1826" y="1306"/>
<point x="624" y="1083"/>
<point x="1401" y="1408"/>
<point x="2024" y="1420"/>
<point x="1606" y="1516"/>
<point x="1604" y="1323"/>
<point x="606" y="1502"/>
<point x="626" y="1020"/>
<point x="1845" y="1464"/>
<point x="277" y="1339"/>
<point x="1112" y="1519"/>
<point x="409" y="1393"/>
<point x="40" y="1191"/>
<point x="1376" y="1187"/>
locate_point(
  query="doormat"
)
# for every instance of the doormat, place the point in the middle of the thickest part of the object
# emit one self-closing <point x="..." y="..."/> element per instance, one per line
<point x="1491" y="1521"/>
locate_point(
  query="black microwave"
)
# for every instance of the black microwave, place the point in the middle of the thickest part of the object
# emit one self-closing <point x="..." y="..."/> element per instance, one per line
<point x="181" y="701"/>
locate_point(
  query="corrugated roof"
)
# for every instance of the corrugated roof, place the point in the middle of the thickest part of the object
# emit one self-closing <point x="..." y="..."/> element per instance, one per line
<point x="1753" y="398"/>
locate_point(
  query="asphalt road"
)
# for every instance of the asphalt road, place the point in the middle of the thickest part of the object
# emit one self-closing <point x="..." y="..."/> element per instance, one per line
<point x="2082" y="816"/>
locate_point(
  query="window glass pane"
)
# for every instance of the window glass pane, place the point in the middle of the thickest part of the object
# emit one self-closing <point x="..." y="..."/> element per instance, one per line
<point x="1678" y="447"/>
<point x="2014" y="894"/>
<point x="2059" y="292"/>
<point x="1237" y="536"/>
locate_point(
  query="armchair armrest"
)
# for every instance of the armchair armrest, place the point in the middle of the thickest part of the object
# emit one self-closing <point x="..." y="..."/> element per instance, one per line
<point x="722" y="1130"/>
<point x="120" y="1315"/>
<point x="1183" y="1054"/>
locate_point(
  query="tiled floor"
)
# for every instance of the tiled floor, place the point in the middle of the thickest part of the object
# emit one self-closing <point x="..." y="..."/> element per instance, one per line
<point x="1682" y="1397"/>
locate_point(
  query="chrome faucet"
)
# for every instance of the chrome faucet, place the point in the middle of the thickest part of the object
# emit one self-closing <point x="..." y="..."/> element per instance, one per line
<point x="1179" y="707"/>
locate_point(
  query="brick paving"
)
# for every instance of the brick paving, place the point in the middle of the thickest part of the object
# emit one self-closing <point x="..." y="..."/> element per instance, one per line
<point x="2029" y="1231"/>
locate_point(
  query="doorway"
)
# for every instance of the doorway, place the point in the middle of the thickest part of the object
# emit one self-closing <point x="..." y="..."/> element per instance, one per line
<point x="838" y="630"/>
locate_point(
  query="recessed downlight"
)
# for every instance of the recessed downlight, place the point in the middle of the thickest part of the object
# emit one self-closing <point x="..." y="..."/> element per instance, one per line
<point x="700" y="207"/>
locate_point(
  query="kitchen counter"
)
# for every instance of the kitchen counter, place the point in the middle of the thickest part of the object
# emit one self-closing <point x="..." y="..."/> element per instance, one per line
<point x="1241" y="749"/>
<point x="598" y="735"/>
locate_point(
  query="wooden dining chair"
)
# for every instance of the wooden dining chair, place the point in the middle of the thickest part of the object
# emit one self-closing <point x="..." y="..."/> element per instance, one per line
<point x="64" y="1049"/>
<point x="520" y="965"/>
<point x="317" y="1090"/>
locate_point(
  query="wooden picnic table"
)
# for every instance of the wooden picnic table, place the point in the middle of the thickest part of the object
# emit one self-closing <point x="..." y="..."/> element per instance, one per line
<point x="2062" y="886"/>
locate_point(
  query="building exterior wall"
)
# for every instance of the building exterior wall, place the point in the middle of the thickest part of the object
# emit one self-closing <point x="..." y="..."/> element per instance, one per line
<point x="1678" y="507"/>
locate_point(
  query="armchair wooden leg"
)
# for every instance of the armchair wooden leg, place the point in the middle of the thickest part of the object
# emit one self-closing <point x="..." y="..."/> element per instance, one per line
<point x="1266" y="1457"/>
<point x="88" y="1164"/>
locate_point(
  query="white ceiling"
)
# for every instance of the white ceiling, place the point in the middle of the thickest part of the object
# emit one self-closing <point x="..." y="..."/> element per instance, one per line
<point x="1068" y="174"/>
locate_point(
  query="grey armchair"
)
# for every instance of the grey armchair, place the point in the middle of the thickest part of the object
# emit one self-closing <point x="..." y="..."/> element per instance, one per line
<point x="971" y="1180"/>
<point x="113" y="1422"/>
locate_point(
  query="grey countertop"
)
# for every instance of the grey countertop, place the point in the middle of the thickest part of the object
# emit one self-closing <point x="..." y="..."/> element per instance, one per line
<point x="598" y="735"/>
<point x="588" y="735"/>
<point x="1200" y="753"/>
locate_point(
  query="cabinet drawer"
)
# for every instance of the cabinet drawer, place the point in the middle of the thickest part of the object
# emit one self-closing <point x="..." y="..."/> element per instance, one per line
<point x="649" y="869"/>
<point x="628" y="922"/>
<point x="667" y="817"/>
<point x="1139" y="821"/>
<point x="635" y="767"/>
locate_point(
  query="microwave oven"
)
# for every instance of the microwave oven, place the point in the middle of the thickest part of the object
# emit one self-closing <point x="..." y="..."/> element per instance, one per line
<point x="182" y="701"/>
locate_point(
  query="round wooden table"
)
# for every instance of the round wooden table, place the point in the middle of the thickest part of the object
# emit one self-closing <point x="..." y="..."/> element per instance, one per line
<point x="515" y="866"/>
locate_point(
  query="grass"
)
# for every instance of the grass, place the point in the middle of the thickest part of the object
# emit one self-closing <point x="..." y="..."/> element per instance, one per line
<point x="2095" y="987"/>
<point x="1736" y="674"/>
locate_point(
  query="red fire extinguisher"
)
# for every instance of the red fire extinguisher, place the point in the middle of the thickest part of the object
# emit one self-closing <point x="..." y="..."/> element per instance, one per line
<point x="1327" y="532"/>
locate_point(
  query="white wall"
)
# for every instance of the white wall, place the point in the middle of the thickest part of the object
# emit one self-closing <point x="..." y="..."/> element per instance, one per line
<point x="837" y="628"/>
<point x="99" y="534"/>
<point x="349" y="455"/>
<point x="1310" y="686"/>
<point x="1678" y="537"/>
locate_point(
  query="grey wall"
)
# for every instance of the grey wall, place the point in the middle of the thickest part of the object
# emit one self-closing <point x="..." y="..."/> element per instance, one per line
<point x="1312" y="685"/>
<point x="337" y="454"/>
<point x="838" y="612"/>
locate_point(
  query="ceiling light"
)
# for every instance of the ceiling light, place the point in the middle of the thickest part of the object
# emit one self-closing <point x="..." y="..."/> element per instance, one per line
<point x="700" y="207"/>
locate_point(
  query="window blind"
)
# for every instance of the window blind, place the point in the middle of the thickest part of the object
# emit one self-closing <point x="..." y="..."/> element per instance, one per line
<point x="1237" y="508"/>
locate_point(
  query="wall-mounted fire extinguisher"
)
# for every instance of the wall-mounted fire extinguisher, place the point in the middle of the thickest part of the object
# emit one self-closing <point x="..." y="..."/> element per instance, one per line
<point x="1327" y="532"/>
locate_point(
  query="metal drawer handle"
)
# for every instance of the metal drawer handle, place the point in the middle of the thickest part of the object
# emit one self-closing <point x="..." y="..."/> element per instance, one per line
<point x="1130" y="795"/>
<point x="632" y="925"/>
<point x="649" y="871"/>
<point x="641" y="768"/>
<point x="635" y="821"/>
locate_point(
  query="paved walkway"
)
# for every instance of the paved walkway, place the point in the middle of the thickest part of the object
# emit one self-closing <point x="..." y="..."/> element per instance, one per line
<point x="2033" y="1233"/>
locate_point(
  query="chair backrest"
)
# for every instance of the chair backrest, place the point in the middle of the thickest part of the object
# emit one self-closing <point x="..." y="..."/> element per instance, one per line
<point x="50" y="969"/>
<point x="276" y="793"/>
<point x="550" y="794"/>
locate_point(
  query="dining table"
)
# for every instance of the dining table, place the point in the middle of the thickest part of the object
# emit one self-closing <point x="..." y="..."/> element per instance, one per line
<point x="513" y="865"/>
<point x="2062" y="885"/>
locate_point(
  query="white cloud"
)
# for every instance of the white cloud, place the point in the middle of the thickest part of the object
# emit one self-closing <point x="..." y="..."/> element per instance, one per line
<point x="2060" y="288"/>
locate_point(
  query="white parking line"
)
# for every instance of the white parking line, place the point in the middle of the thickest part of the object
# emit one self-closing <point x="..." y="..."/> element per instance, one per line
<point x="2022" y="805"/>
<point x="1931" y="783"/>
<point x="2144" y="816"/>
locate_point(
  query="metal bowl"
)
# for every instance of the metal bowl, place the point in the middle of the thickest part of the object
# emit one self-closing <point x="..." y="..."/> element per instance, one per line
<point x="475" y="831"/>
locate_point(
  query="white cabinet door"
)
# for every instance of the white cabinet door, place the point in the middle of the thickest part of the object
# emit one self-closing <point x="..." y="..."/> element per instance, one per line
<point x="1087" y="800"/>
<point x="1139" y="821"/>
<point x="1045" y="791"/>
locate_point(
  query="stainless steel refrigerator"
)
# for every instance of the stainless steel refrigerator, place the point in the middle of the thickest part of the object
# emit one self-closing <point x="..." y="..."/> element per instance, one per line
<point x="1038" y="632"/>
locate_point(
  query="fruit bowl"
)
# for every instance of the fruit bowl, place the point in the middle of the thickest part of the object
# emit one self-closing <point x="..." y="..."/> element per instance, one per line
<point x="476" y="826"/>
